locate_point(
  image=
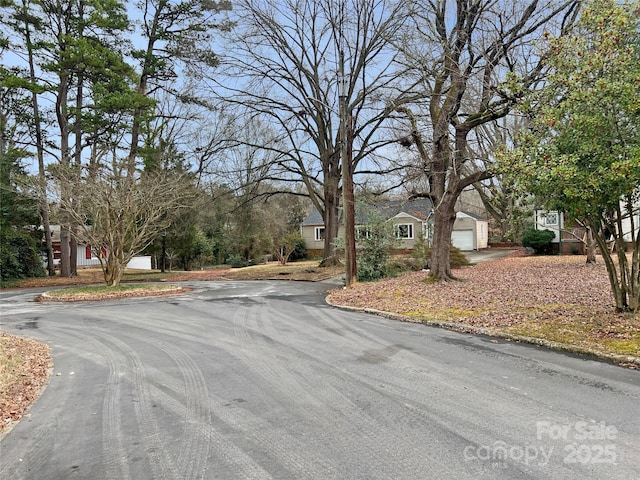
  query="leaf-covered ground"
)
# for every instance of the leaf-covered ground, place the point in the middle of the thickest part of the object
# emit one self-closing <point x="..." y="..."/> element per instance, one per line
<point x="299" y="270"/>
<point x="24" y="369"/>
<point x="557" y="299"/>
<point x="102" y="292"/>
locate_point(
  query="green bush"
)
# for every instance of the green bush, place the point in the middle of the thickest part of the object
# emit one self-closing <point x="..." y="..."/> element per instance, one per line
<point x="457" y="258"/>
<point x="19" y="256"/>
<point x="421" y="253"/>
<point x="237" y="261"/>
<point x="399" y="266"/>
<point x="374" y="249"/>
<point x="422" y="258"/>
<point x="300" y="252"/>
<point x="291" y="242"/>
<point x="539" y="240"/>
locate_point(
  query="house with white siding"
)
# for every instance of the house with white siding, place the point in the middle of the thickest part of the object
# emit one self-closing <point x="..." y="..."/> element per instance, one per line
<point x="87" y="255"/>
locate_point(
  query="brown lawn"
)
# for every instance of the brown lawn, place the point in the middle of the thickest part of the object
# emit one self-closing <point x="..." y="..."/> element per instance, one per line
<point x="556" y="299"/>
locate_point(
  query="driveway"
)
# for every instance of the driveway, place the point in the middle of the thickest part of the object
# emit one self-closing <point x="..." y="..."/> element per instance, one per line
<point x="262" y="380"/>
<point x="478" y="256"/>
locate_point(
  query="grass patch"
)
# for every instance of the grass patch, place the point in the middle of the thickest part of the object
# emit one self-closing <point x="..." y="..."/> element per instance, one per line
<point x="9" y="283"/>
<point x="618" y="339"/>
<point x="453" y="314"/>
<point x="302" y="270"/>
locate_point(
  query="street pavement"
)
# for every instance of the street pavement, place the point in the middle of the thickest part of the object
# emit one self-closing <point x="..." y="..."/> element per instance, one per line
<point x="263" y="380"/>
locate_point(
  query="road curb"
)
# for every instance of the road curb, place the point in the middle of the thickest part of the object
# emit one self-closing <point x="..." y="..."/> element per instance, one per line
<point x="622" y="360"/>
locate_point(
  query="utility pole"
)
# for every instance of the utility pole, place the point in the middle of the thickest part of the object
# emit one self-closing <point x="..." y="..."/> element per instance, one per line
<point x="347" y="178"/>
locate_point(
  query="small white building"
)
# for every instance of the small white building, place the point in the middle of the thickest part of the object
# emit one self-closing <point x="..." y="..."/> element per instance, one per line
<point x="470" y="232"/>
<point x="86" y="255"/>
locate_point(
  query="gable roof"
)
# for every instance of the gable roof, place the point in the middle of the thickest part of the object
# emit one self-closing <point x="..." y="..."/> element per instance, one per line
<point x="314" y="218"/>
<point x="419" y="208"/>
<point x="472" y="215"/>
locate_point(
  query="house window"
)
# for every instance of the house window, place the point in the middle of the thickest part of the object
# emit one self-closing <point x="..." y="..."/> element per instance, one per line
<point x="404" y="231"/>
<point x="319" y="234"/>
<point x="87" y="252"/>
<point x="551" y="218"/>
<point x="362" y="232"/>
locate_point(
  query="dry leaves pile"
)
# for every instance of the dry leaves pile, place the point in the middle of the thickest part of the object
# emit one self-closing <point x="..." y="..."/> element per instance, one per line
<point x="559" y="299"/>
<point x="24" y="368"/>
<point x="299" y="271"/>
<point x="106" y="293"/>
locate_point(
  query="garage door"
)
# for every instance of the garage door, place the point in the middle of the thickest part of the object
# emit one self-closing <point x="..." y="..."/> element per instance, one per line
<point x="462" y="239"/>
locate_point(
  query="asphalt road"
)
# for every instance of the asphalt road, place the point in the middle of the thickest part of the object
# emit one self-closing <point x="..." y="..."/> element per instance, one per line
<point x="262" y="380"/>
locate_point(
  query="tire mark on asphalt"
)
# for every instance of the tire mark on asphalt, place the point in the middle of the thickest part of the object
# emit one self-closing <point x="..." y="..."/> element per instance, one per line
<point x="325" y="404"/>
<point x="239" y="327"/>
<point x="293" y="454"/>
<point x="355" y="432"/>
<point x="233" y="457"/>
<point x="160" y="461"/>
<point x="198" y="439"/>
<point x="431" y="409"/>
<point x="195" y="441"/>
<point x="117" y="465"/>
<point x="272" y="371"/>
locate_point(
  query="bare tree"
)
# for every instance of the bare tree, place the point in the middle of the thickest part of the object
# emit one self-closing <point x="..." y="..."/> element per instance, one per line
<point x="283" y="67"/>
<point x="455" y="45"/>
<point x="118" y="217"/>
<point x="510" y="210"/>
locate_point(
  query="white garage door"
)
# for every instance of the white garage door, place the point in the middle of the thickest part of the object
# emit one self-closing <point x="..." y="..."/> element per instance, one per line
<point x="462" y="239"/>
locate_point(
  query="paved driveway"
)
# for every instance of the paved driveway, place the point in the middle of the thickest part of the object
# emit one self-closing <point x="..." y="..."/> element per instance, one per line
<point x="487" y="255"/>
<point x="262" y="380"/>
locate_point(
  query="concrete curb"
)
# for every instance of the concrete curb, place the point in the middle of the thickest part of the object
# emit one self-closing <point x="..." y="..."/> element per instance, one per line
<point x="624" y="360"/>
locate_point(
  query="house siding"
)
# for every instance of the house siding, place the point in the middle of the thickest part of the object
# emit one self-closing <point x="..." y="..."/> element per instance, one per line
<point x="308" y="235"/>
<point x="417" y="226"/>
<point x="479" y="228"/>
<point x="417" y="213"/>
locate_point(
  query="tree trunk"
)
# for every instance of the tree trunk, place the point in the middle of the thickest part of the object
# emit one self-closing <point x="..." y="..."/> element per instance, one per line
<point x="65" y="246"/>
<point x="617" y="287"/>
<point x="113" y="266"/>
<point x="77" y="154"/>
<point x="331" y="223"/>
<point x="65" y="160"/>
<point x="591" y="246"/>
<point x="42" y="182"/>
<point x="73" y="255"/>
<point x="113" y="274"/>
<point x="444" y="217"/>
<point x="46" y="225"/>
